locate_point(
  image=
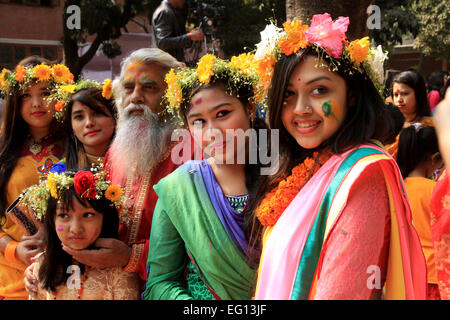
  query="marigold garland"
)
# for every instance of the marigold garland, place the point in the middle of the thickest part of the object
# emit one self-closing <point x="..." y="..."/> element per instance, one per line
<point x="277" y="200"/>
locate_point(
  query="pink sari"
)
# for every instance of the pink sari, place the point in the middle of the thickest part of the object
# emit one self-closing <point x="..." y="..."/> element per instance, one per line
<point x="286" y="241"/>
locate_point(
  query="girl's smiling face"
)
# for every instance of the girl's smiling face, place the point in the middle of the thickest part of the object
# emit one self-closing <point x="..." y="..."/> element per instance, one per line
<point x="315" y="103"/>
<point x="93" y="129"/>
<point x="78" y="227"/>
<point x="34" y="109"/>
<point x="213" y="112"/>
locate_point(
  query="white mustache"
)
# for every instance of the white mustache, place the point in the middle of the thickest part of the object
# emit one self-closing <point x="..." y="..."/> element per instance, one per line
<point x="133" y="107"/>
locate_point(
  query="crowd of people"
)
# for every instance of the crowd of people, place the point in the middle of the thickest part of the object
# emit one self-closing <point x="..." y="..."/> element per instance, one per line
<point x="166" y="184"/>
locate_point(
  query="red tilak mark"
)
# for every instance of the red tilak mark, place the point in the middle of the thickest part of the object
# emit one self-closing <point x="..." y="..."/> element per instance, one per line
<point x="198" y="101"/>
<point x="398" y="91"/>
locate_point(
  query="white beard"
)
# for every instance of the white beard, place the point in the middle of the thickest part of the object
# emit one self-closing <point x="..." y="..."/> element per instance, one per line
<point x="140" y="141"/>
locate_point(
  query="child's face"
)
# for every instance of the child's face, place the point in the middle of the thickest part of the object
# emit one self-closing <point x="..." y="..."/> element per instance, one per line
<point x="78" y="228"/>
<point x="315" y="103"/>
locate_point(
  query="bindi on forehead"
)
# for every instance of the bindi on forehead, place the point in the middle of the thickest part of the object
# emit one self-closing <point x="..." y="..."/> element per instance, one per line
<point x="198" y="101"/>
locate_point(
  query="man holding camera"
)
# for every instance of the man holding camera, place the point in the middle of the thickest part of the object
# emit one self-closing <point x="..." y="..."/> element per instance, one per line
<point x="169" y="28"/>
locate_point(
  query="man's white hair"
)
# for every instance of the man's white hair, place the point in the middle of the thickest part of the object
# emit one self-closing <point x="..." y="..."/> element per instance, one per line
<point x="150" y="55"/>
<point x="144" y="56"/>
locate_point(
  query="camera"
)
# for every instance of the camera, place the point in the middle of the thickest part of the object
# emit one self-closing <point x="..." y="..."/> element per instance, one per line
<point x="212" y="15"/>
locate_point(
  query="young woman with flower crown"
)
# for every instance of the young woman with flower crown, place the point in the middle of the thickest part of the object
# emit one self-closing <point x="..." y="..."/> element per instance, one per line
<point x="77" y="207"/>
<point x="201" y="216"/>
<point x="30" y="144"/>
<point x="89" y="113"/>
<point x="337" y="224"/>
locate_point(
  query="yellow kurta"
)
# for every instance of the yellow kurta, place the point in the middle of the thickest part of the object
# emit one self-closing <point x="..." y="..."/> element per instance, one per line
<point x="28" y="170"/>
<point x="419" y="192"/>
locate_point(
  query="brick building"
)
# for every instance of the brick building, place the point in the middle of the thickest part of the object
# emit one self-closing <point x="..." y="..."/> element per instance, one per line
<point x="34" y="27"/>
<point x="30" y="27"/>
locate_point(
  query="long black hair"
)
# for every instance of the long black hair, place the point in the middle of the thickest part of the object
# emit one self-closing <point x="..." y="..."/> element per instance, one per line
<point x="73" y="148"/>
<point x="55" y="262"/>
<point x="414" y="80"/>
<point x="367" y="118"/>
<point x="415" y="146"/>
<point x="14" y="134"/>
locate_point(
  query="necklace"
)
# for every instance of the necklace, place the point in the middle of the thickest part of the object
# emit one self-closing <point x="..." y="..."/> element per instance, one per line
<point x="277" y="200"/>
<point x="35" y="147"/>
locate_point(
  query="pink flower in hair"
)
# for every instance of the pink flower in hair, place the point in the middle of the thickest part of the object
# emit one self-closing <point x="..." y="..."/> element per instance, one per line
<point x="328" y="34"/>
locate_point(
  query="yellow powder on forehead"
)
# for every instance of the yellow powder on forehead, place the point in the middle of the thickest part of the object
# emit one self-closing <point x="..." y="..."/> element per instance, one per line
<point x="131" y="69"/>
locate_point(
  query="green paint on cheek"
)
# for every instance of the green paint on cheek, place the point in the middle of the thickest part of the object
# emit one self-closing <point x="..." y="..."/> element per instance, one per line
<point x="327" y="110"/>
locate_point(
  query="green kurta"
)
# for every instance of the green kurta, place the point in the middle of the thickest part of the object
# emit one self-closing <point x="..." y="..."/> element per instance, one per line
<point x="185" y="223"/>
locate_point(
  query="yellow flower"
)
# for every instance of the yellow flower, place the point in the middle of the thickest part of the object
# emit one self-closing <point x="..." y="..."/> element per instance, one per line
<point x="244" y="62"/>
<point x="51" y="183"/>
<point x="70" y="88"/>
<point x="20" y="73"/>
<point x="61" y="73"/>
<point x="42" y="72"/>
<point x="295" y="39"/>
<point x="107" y="89"/>
<point x="113" y="193"/>
<point x="3" y="79"/>
<point x="173" y="93"/>
<point x="205" y="68"/>
<point x="359" y="49"/>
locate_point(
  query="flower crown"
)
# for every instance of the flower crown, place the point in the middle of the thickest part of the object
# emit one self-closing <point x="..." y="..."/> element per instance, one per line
<point x="88" y="184"/>
<point x="328" y="38"/>
<point x="63" y="93"/>
<point x="57" y="74"/>
<point x="242" y="70"/>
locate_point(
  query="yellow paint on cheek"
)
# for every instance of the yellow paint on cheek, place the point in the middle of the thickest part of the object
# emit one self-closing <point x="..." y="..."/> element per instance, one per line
<point x="336" y="109"/>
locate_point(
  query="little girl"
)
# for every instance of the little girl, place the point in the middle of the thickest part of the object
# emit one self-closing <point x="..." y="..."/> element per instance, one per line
<point x="418" y="158"/>
<point x="79" y="209"/>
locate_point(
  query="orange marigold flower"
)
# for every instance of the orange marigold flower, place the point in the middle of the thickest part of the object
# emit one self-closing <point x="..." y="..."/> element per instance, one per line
<point x="59" y="106"/>
<point x="205" y="68"/>
<point x="359" y="50"/>
<point x="113" y="193"/>
<point x="295" y="39"/>
<point x="20" y="73"/>
<point x="277" y="200"/>
<point x="107" y="89"/>
<point x="61" y="73"/>
<point x="42" y="72"/>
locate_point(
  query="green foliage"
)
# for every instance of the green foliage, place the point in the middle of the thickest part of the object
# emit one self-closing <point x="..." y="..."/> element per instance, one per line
<point x="105" y="20"/>
<point x="244" y="20"/>
<point x="434" y="20"/>
<point x="397" y="20"/>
